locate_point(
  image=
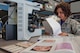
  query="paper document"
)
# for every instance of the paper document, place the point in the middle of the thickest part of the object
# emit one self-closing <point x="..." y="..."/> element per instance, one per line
<point x="63" y="46"/>
<point x="55" y="26"/>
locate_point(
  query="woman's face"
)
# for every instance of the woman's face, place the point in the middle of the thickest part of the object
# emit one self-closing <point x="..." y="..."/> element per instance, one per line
<point x="60" y="14"/>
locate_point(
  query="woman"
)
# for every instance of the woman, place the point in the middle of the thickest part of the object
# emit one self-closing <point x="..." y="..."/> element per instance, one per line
<point x="68" y="25"/>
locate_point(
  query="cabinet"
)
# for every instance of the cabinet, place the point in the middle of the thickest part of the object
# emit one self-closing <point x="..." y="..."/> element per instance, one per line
<point x="9" y="32"/>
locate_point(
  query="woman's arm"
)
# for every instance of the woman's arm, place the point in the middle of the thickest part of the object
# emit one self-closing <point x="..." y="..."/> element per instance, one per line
<point x="75" y="27"/>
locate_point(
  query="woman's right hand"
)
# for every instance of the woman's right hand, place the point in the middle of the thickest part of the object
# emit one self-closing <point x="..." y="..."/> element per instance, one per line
<point x="63" y="34"/>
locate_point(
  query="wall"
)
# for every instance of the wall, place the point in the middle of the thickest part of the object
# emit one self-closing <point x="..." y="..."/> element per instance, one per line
<point x="75" y="7"/>
<point x="2" y="0"/>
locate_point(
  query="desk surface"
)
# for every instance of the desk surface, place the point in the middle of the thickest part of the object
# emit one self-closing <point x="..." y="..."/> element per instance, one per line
<point x="73" y="40"/>
<point x="64" y="44"/>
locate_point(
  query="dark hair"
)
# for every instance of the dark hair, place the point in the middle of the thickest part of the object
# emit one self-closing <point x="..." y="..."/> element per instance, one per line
<point x="65" y="7"/>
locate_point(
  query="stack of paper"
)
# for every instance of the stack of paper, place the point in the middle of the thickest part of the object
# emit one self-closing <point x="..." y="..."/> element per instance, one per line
<point x="64" y="48"/>
<point x="55" y="26"/>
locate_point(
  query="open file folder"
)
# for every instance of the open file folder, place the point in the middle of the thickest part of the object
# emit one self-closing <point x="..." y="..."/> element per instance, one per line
<point x="55" y="45"/>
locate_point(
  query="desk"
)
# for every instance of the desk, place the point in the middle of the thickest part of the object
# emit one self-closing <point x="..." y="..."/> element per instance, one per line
<point x="74" y="41"/>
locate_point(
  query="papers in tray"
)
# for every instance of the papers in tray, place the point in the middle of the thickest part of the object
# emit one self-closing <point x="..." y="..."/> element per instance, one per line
<point x="63" y="48"/>
<point x="41" y="48"/>
<point x="16" y="48"/>
<point x="24" y="44"/>
<point x="12" y="48"/>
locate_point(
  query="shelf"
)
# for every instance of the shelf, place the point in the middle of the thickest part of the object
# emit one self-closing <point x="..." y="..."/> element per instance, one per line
<point x="73" y="1"/>
<point x="68" y="1"/>
<point x="76" y="13"/>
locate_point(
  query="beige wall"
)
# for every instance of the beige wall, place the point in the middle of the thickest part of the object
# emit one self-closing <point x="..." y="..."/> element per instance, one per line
<point x="75" y="7"/>
<point x="2" y="0"/>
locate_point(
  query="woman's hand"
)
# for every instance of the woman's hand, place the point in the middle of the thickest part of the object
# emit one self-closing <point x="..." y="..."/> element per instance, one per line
<point x="63" y="34"/>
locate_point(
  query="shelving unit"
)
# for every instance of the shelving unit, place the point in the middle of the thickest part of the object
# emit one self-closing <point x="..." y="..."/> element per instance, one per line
<point x="75" y="9"/>
<point x="7" y="30"/>
<point x="2" y="19"/>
